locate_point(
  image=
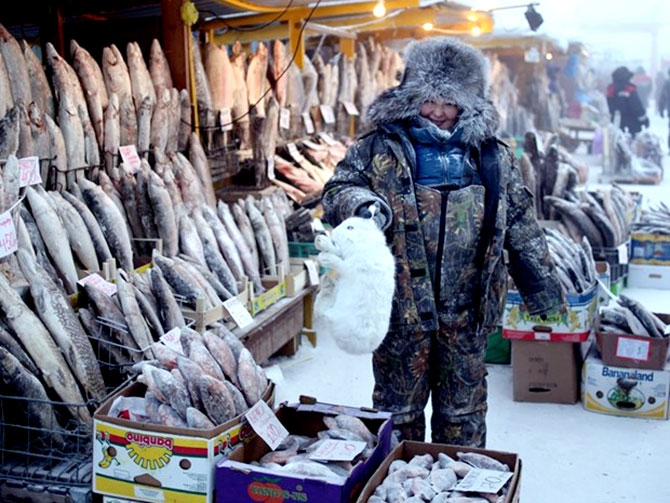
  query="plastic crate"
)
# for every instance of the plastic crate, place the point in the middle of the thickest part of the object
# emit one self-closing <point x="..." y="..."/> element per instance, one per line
<point x="302" y="250"/>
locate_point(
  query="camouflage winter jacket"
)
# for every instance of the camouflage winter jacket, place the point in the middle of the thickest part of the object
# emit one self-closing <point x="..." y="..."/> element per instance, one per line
<point x="380" y="167"/>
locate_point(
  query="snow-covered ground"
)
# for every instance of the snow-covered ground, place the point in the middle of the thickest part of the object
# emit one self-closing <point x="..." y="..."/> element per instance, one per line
<point x="569" y="454"/>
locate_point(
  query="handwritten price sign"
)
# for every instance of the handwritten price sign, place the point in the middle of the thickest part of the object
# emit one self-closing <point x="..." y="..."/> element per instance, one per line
<point x="29" y="171"/>
<point x="338" y="450"/>
<point x="265" y="423"/>
<point x="130" y="157"/>
<point x="8" y="242"/>
<point x="483" y="481"/>
<point x="172" y="339"/>
<point x="98" y="281"/>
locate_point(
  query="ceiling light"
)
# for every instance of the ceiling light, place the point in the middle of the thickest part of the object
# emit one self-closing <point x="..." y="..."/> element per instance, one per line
<point x="379" y="9"/>
<point x="428" y="26"/>
<point x="549" y="56"/>
<point x="476" y="31"/>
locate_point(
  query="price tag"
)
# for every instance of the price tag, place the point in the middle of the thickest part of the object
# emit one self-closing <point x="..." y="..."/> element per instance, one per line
<point x="29" y="171"/>
<point x="284" y="118"/>
<point x="98" y="281"/>
<point x="350" y="108"/>
<point x="633" y="349"/>
<point x="483" y="481"/>
<point x="293" y="150"/>
<point x="622" y="249"/>
<point x="338" y="450"/>
<point x="312" y="271"/>
<point x="309" y="125"/>
<point x="327" y="138"/>
<point x="265" y="423"/>
<point x="8" y="241"/>
<point x="172" y="339"/>
<point x="317" y="225"/>
<point x="271" y="167"/>
<point x="312" y="145"/>
<point x="130" y="157"/>
<point x="240" y="314"/>
<point x="542" y="336"/>
<point x="226" y="119"/>
<point x="327" y="114"/>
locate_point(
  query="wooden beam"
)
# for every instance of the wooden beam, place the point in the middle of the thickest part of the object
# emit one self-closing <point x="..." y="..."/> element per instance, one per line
<point x="329" y="30"/>
<point x="175" y="41"/>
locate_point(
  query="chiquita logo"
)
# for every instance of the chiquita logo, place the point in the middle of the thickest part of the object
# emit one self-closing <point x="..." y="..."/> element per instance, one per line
<point x="148" y="451"/>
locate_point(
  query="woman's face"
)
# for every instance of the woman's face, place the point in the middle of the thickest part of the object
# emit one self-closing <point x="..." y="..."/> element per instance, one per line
<point x="443" y="115"/>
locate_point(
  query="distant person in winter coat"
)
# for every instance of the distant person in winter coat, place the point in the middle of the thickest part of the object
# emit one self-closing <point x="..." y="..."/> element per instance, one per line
<point x="450" y="199"/>
<point x="644" y="85"/>
<point x="663" y="104"/>
<point x="622" y="97"/>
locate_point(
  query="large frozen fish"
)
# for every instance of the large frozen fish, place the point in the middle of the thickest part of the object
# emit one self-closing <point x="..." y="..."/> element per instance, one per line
<point x="225" y="242"/>
<point x="241" y="100"/>
<point x="9" y="133"/>
<point x="186" y="120"/>
<point x="169" y="310"/>
<point x="219" y="73"/>
<point x="279" y="64"/>
<point x="132" y="313"/>
<point x="191" y="372"/>
<point x="73" y="134"/>
<point x="42" y="349"/>
<point x="93" y="84"/>
<point x="140" y="79"/>
<point x="77" y="232"/>
<point x="277" y="230"/>
<point x="216" y="399"/>
<point x="95" y="232"/>
<point x="263" y="236"/>
<point x="180" y="279"/>
<point x="57" y="314"/>
<point x="144" y="114"/>
<point x="17" y="71"/>
<point x="159" y="121"/>
<point x="223" y="355"/>
<point x="164" y="215"/>
<point x="213" y="257"/>
<point x="198" y="159"/>
<point x="258" y="67"/>
<point x="6" y="100"/>
<point x="249" y="262"/>
<point x="112" y="133"/>
<point x="246" y="229"/>
<point x="115" y="73"/>
<point x="159" y="68"/>
<point x="127" y="121"/>
<point x="40" y="89"/>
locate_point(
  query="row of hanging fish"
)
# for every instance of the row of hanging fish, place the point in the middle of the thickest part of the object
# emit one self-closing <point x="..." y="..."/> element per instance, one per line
<point x="294" y="454"/>
<point x="629" y="316"/>
<point x="205" y="381"/>
<point x="424" y="478"/>
<point x="574" y="262"/>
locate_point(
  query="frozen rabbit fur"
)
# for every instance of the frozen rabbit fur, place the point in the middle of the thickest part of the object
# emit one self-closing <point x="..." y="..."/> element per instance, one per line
<point x="354" y="301"/>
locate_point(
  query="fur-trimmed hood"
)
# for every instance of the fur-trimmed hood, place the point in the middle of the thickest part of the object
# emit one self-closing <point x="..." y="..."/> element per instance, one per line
<point x="443" y="70"/>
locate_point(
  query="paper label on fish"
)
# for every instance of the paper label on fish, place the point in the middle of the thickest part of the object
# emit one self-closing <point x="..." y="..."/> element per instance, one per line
<point x="327" y="138"/>
<point x="226" y="119"/>
<point x="309" y="125"/>
<point x="622" y="250"/>
<point x="271" y="167"/>
<point x="172" y="339"/>
<point x="635" y="349"/>
<point x="8" y="241"/>
<point x="266" y="424"/>
<point x="130" y="157"/>
<point x="483" y="481"/>
<point x="29" y="171"/>
<point x="240" y="314"/>
<point x="293" y="150"/>
<point x="338" y="450"/>
<point x="350" y="108"/>
<point x="98" y="281"/>
<point x="284" y="118"/>
<point x="312" y="272"/>
<point x="327" y="113"/>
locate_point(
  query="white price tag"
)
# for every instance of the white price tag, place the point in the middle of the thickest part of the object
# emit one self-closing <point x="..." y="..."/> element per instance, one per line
<point x="130" y="157"/>
<point x="240" y="314"/>
<point x="284" y="118"/>
<point x="338" y="450"/>
<point x="172" y="339"/>
<point x="327" y="114"/>
<point x="634" y="349"/>
<point x="271" y="167"/>
<point x="312" y="145"/>
<point x="309" y="125"/>
<point x="226" y="119"/>
<point x="542" y="336"/>
<point x="8" y="241"/>
<point x="265" y="423"/>
<point x="98" y="281"/>
<point x="293" y="150"/>
<point x="483" y="481"/>
<point x="312" y="271"/>
<point x="29" y="171"/>
<point x="350" y="108"/>
<point x="327" y="138"/>
<point x="622" y="249"/>
<point x="317" y="225"/>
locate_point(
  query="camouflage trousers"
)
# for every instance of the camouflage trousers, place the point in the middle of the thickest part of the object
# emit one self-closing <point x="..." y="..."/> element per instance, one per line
<point x="449" y="368"/>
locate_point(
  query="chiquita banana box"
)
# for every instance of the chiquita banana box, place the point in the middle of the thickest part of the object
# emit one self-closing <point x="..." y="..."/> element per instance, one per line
<point x="624" y="391"/>
<point x="154" y="463"/>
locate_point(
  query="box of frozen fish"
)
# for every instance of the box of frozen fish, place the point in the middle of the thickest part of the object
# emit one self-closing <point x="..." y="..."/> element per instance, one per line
<point x="440" y="472"/>
<point x="622" y="391"/>
<point x="155" y="462"/>
<point x="655" y="277"/>
<point x="573" y="325"/>
<point x="328" y="455"/>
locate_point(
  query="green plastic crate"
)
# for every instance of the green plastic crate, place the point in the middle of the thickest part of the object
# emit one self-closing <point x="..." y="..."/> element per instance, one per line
<point x="302" y="250"/>
<point x="498" y="348"/>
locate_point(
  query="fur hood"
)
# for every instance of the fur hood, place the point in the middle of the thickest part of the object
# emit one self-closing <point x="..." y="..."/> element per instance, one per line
<point x="443" y="70"/>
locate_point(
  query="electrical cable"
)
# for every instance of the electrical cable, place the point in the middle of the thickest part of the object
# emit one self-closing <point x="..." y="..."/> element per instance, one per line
<point x="254" y="27"/>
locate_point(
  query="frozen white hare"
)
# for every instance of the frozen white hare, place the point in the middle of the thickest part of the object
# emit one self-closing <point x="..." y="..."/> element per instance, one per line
<point x="354" y="300"/>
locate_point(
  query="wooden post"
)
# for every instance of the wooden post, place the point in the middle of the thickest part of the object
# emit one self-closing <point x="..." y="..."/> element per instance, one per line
<point x="174" y="43"/>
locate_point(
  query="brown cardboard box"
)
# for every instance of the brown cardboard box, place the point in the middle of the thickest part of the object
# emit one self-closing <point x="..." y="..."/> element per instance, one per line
<point x="546" y="371"/>
<point x="633" y="351"/>
<point x="407" y="449"/>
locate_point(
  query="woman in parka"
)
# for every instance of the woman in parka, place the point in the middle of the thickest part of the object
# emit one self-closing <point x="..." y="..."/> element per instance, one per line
<point x="623" y="97"/>
<point x="450" y="198"/>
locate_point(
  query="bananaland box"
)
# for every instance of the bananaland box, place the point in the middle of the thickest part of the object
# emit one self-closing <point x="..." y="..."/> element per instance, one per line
<point x="574" y="325"/>
<point x="155" y="463"/>
<point x="621" y="391"/>
<point x="239" y="481"/>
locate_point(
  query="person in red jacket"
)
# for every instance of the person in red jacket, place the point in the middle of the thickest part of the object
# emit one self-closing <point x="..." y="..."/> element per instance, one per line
<point x="622" y="97"/>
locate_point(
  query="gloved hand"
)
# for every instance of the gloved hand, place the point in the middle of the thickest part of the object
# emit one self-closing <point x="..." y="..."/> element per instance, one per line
<point x="373" y="211"/>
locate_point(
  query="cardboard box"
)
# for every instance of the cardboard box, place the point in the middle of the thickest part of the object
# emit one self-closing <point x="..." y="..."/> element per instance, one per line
<point x="649" y="276"/>
<point x="295" y="279"/>
<point x="155" y="463"/>
<point x="544" y="371"/>
<point x="623" y="391"/>
<point x="633" y="351"/>
<point x="572" y="326"/>
<point x="275" y="290"/>
<point x="650" y="249"/>
<point x="237" y="481"/>
<point x="406" y="450"/>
